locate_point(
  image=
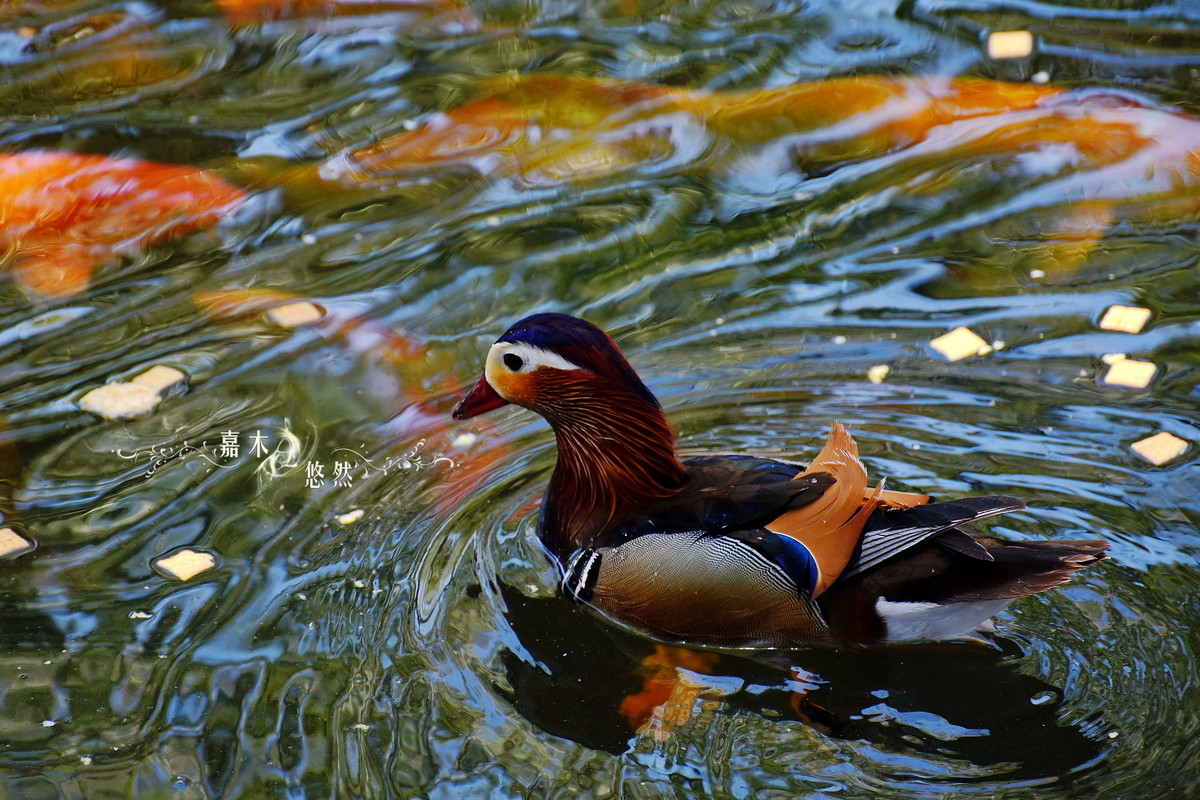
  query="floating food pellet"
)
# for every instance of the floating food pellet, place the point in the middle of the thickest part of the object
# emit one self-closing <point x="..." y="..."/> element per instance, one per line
<point x="120" y="400"/>
<point x="186" y="564"/>
<point x="13" y="543"/>
<point x="960" y="343"/>
<point x="463" y="440"/>
<point x="1127" y="319"/>
<point x="1010" y="44"/>
<point x="878" y="373"/>
<point x="351" y="517"/>
<point x="159" y="377"/>
<point x="1127" y="372"/>
<point x="292" y="315"/>
<point x="1160" y="448"/>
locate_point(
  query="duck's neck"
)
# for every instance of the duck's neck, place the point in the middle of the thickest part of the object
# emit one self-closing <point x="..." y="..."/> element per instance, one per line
<point x="616" y="450"/>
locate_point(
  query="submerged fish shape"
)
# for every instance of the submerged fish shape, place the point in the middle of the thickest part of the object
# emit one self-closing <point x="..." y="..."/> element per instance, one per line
<point x="63" y="215"/>
<point x="546" y="124"/>
<point x="250" y="12"/>
<point x="1069" y="164"/>
<point x="742" y="551"/>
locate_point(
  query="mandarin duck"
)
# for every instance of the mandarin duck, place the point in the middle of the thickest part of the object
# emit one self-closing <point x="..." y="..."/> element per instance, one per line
<point x="737" y="550"/>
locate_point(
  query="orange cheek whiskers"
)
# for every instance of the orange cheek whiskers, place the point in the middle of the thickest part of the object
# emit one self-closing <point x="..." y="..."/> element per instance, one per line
<point x="513" y="387"/>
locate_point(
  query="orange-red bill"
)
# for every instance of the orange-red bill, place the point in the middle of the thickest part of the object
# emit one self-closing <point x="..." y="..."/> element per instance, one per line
<point x="482" y="399"/>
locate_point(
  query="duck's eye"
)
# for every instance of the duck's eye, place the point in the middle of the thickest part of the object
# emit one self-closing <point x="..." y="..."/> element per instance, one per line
<point x="513" y="362"/>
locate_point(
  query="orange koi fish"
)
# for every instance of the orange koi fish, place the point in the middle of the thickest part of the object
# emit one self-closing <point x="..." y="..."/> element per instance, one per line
<point x="249" y="12"/>
<point x="62" y="215"/>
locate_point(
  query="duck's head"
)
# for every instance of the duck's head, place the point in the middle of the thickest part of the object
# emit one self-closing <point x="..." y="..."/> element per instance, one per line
<point x="550" y="363"/>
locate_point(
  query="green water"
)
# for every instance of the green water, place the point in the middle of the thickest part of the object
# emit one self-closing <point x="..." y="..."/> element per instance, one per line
<point x="420" y="649"/>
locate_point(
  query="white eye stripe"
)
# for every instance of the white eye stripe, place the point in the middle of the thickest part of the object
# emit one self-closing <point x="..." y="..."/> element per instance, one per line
<point x="531" y="357"/>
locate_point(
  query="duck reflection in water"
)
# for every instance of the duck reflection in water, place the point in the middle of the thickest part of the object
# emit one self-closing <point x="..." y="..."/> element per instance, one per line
<point x="605" y="688"/>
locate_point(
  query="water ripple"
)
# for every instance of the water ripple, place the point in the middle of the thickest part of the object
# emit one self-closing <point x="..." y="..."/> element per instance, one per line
<point x="400" y="633"/>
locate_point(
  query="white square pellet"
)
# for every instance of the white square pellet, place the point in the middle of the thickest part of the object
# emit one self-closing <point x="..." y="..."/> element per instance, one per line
<point x="186" y="564"/>
<point x="1160" y="448"/>
<point x="959" y="344"/>
<point x="120" y="400"/>
<point x="13" y="543"/>
<point x="1127" y="319"/>
<point x="1130" y="373"/>
<point x="295" y="314"/>
<point x="1010" y="44"/>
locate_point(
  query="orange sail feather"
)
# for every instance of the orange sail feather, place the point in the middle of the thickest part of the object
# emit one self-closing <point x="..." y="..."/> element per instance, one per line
<point x="831" y="526"/>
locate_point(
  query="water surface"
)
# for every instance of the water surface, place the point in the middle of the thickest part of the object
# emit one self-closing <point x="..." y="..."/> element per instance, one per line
<point x="419" y="649"/>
